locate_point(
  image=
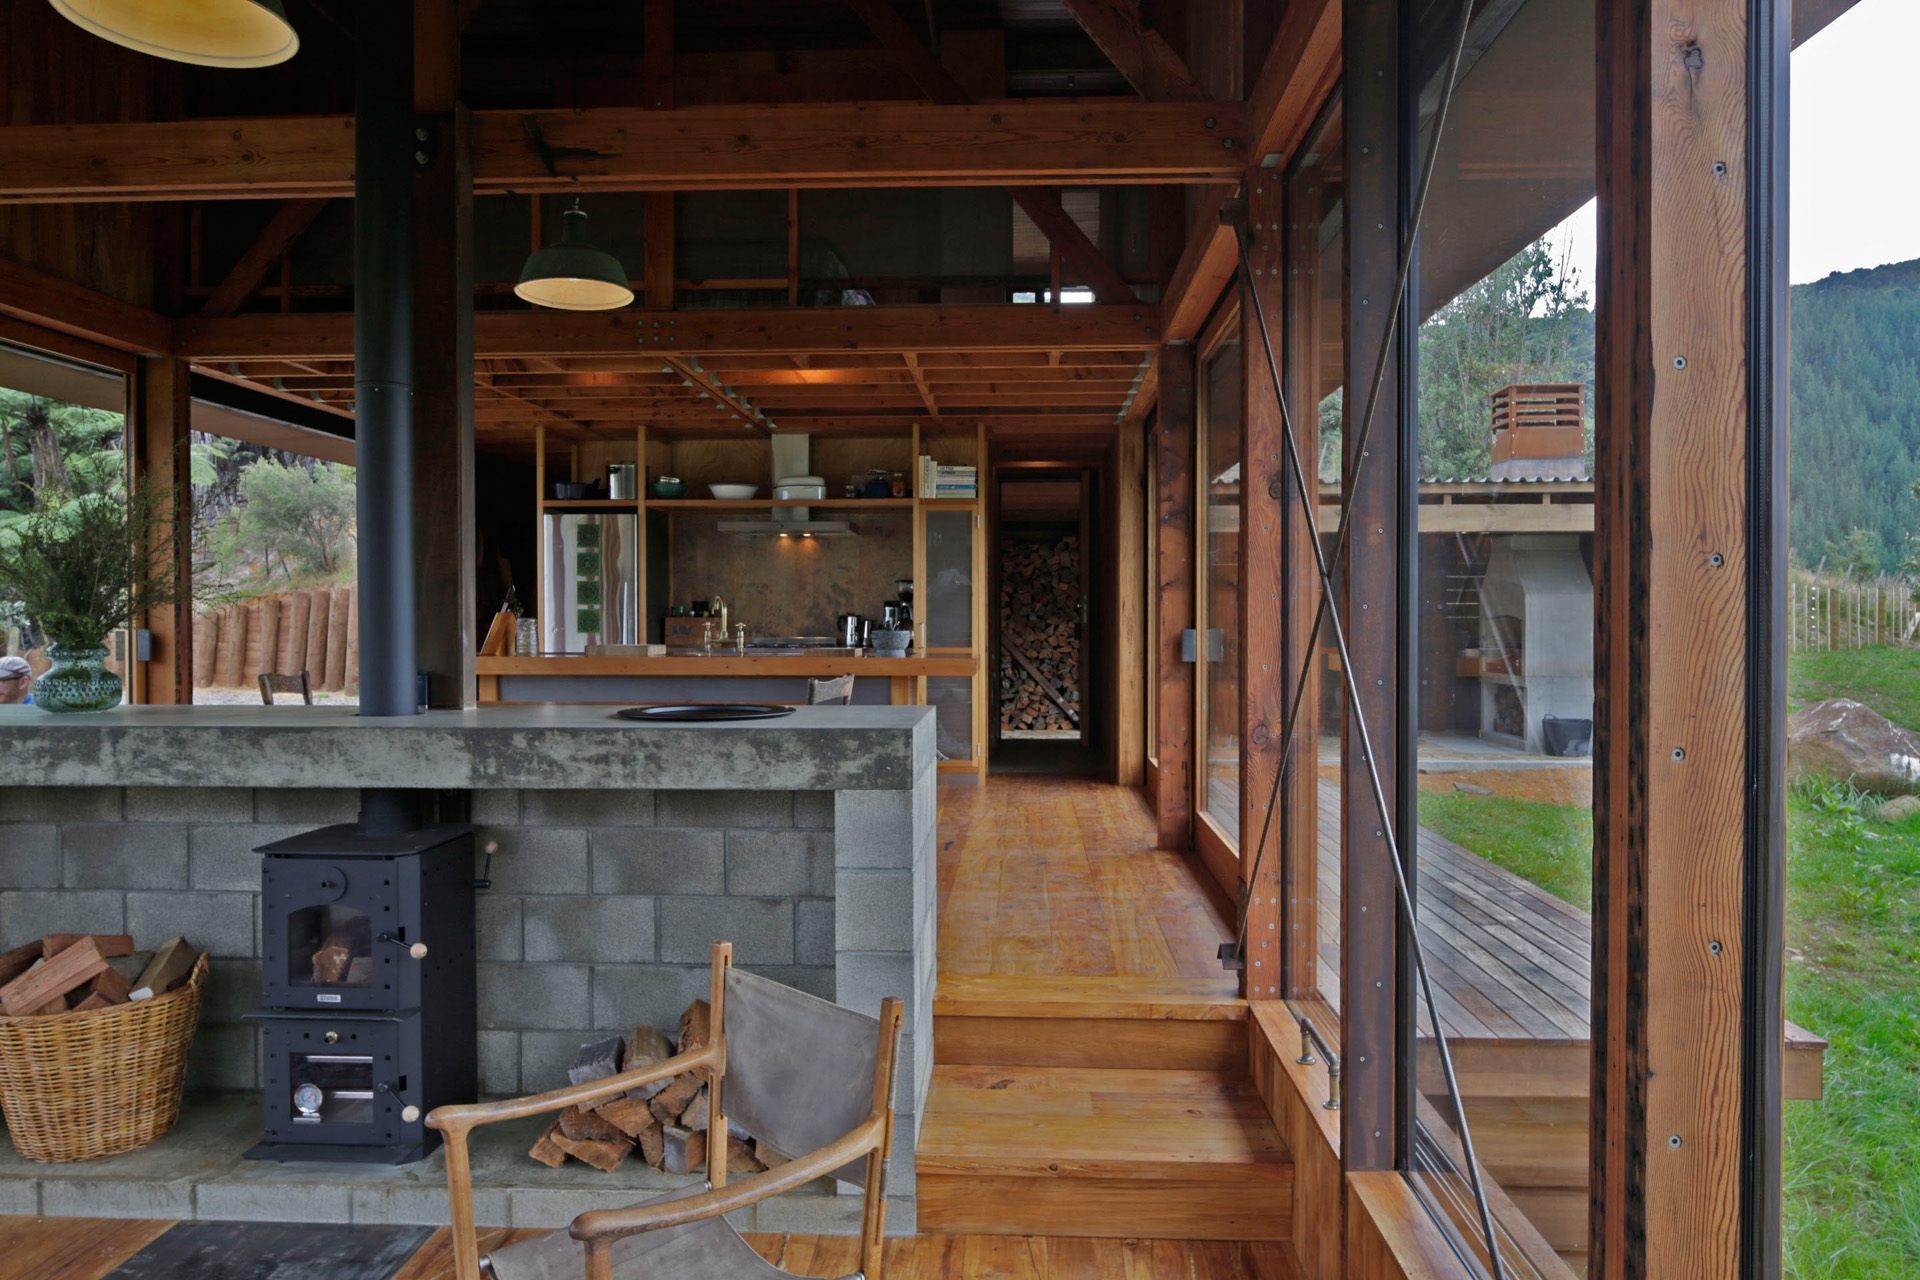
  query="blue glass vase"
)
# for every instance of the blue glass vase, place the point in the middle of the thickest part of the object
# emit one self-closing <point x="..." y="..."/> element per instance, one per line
<point x="77" y="681"/>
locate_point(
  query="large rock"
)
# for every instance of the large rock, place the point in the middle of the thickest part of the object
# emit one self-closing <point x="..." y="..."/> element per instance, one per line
<point x="1840" y="739"/>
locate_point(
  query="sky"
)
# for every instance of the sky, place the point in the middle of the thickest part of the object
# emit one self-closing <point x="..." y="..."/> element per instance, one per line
<point x="1854" y="167"/>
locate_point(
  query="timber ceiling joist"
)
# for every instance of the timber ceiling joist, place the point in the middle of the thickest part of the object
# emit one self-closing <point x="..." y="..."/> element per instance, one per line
<point x="1025" y="372"/>
<point x="626" y="149"/>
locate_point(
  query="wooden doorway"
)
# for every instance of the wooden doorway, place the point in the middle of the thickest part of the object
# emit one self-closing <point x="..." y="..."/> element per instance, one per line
<point x="1045" y="555"/>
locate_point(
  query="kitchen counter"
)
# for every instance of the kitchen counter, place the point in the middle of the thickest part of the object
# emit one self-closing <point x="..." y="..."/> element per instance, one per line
<point x="687" y="674"/>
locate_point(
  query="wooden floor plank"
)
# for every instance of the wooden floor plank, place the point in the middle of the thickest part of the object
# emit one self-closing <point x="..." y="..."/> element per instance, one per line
<point x="71" y="1248"/>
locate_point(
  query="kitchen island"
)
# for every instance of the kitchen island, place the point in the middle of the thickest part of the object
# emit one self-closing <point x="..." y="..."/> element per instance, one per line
<point x="683" y="675"/>
<point x="623" y="851"/>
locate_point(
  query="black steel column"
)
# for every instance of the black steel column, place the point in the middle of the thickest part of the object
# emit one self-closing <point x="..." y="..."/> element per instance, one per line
<point x="383" y="354"/>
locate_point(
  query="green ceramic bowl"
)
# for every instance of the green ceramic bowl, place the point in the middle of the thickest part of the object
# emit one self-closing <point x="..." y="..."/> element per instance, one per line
<point x="668" y="489"/>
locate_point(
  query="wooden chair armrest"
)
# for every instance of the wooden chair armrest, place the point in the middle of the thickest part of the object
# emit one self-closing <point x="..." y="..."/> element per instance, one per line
<point x="461" y="1117"/>
<point x="612" y="1224"/>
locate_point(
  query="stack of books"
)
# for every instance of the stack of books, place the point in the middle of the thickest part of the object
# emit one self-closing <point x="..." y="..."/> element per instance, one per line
<point x="937" y="481"/>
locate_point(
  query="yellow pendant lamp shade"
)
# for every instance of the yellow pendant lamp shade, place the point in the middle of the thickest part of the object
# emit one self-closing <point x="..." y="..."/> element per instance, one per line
<point x="573" y="275"/>
<point x="209" y="33"/>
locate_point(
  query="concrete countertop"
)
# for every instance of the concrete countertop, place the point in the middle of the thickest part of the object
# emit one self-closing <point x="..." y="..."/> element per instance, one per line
<point x="538" y="747"/>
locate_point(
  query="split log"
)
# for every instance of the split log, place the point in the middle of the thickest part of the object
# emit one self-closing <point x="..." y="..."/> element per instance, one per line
<point x="582" y="1125"/>
<point x="94" y="1000"/>
<point x="671" y="1101"/>
<point x="685" y="1150"/>
<point x="768" y="1156"/>
<point x="110" y="944"/>
<point x="171" y="965"/>
<point x="699" y="1111"/>
<point x="696" y="1029"/>
<point x="645" y="1047"/>
<point x="740" y="1157"/>
<point x="50" y="980"/>
<point x="629" y="1115"/>
<point x="548" y="1152"/>
<point x="604" y="1156"/>
<point x="17" y="961"/>
<point x="109" y="985"/>
<point x="653" y="1145"/>
<point x="596" y="1061"/>
<point x="332" y="960"/>
<point x="320" y="604"/>
<point x="131" y="967"/>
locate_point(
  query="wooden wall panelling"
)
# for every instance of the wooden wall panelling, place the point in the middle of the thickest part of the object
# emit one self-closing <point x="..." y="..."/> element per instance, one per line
<point x="1681" y="1103"/>
<point x="1173" y="609"/>
<point x="657" y="216"/>
<point x="1264" y="675"/>
<point x="1369" y="576"/>
<point x="1129" y="472"/>
<point x="446" y="612"/>
<point x="160" y="410"/>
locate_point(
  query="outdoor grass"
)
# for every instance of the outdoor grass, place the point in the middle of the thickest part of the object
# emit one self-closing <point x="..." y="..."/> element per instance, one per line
<point x="1852" y="1169"/>
<point x="1548" y="844"/>
<point x="1888" y="680"/>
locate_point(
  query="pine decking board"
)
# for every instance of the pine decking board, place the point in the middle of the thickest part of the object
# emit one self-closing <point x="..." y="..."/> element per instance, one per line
<point x="66" y="1249"/>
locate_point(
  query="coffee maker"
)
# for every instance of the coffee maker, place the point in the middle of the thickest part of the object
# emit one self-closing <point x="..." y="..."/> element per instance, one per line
<point x="903" y="589"/>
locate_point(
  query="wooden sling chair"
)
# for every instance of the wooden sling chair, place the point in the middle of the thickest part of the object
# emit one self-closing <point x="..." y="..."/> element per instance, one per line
<point x="802" y="1075"/>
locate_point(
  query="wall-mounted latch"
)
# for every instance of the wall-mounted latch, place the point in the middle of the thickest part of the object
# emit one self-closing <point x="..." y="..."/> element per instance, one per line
<point x="1216" y="645"/>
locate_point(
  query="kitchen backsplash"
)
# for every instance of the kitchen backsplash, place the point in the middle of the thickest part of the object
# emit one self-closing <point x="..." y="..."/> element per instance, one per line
<point x="791" y="586"/>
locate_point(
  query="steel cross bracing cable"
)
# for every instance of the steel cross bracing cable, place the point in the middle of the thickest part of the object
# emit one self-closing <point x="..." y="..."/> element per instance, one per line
<point x="1236" y="215"/>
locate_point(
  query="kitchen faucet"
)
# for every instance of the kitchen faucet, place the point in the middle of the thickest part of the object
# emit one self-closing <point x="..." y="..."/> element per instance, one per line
<point x="720" y="609"/>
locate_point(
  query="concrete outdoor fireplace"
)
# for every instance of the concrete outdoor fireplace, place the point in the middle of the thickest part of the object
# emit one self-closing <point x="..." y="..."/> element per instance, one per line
<point x="624" y="851"/>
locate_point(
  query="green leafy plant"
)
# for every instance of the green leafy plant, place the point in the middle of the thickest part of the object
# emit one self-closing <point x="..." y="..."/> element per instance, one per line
<point x="303" y="518"/>
<point x="84" y="567"/>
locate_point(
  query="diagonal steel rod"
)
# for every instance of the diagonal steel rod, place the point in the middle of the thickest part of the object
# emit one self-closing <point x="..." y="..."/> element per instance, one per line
<point x="1309" y="510"/>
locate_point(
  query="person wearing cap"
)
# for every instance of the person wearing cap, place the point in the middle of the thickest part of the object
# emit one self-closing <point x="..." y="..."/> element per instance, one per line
<point x="16" y="682"/>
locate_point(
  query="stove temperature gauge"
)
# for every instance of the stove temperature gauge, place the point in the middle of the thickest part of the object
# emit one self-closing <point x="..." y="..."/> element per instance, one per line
<point x="308" y="1098"/>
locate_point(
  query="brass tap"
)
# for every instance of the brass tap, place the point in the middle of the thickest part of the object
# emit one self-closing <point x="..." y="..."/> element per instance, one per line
<point x="706" y="639"/>
<point x="720" y="611"/>
<point x="740" y="639"/>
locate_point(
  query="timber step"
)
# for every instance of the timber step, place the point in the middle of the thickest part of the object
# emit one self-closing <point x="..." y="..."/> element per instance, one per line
<point x="1181" y="1024"/>
<point x="1121" y="1153"/>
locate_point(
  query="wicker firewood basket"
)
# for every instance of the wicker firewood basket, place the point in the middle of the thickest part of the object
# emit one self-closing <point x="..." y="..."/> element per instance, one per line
<point x="95" y="1083"/>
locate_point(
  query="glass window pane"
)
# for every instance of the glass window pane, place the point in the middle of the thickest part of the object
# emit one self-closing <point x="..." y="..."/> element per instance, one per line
<point x="1220" y="657"/>
<point x="1505" y="634"/>
<point x="1315" y="353"/>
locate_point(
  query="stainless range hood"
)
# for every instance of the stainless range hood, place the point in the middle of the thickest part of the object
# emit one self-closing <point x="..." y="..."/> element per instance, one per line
<point x="790" y="458"/>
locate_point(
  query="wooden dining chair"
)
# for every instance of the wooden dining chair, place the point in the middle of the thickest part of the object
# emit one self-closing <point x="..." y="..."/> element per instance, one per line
<point x="271" y="684"/>
<point x="799" y="1073"/>
<point x="835" y="692"/>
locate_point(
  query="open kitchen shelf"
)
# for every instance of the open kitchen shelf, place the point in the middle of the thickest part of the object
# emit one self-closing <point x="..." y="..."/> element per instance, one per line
<point x="589" y="504"/>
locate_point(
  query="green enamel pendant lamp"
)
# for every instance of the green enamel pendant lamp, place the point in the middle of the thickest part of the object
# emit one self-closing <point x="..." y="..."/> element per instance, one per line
<point x="209" y="33"/>
<point x="573" y="275"/>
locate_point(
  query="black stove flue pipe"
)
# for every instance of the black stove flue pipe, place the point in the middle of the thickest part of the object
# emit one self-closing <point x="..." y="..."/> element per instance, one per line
<point x="383" y="289"/>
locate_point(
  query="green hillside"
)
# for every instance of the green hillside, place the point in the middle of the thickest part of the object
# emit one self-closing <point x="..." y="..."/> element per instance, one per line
<point x="1856" y="411"/>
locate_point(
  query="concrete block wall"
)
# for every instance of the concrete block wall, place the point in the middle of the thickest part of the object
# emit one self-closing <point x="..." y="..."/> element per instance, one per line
<point x="603" y="907"/>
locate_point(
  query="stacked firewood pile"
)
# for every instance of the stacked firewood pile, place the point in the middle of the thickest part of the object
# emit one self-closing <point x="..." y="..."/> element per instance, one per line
<point x="1039" y="622"/>
<point x="668" y="1119"/>
<point x="70" y="972"/>
<point x="316" y="631"/>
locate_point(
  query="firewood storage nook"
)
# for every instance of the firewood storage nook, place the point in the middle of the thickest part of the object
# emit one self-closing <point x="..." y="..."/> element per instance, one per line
<point x="620" y="852"/>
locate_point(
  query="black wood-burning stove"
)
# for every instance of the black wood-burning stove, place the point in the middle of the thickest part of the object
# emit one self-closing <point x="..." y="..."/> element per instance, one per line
<point x="368" y="978"/>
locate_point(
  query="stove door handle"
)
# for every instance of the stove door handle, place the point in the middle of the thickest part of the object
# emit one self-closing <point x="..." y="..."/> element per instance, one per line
<point x="418" y="950"/>
<point x="408" y="1112"/>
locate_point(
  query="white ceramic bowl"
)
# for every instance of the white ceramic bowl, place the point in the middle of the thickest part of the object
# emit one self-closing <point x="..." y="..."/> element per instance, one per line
<point x="733" y="492"/>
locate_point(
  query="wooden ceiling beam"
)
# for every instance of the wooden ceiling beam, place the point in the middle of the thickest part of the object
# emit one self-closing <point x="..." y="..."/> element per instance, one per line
<point x="750" y="146"/>
<point x="1301" y="67"/>
<point x="920" y="383"/>
<point x="1137" y="51"/>
<point x="1040" y="203"/>
<point x="982" y="328"/>
<point x="50" y="302"/>
<point x="287" y="225"/>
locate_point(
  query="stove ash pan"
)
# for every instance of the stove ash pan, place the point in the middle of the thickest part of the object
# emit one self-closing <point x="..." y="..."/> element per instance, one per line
<point x="351" y="921"/>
